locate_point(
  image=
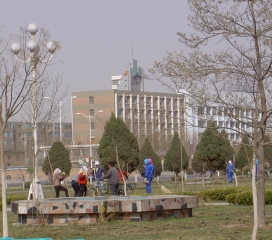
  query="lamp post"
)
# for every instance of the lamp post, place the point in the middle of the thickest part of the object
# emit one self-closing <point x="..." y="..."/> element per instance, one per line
<point x="60" y="103"/>
<point x="34" y="58"/>
<point x="90" y="117"/>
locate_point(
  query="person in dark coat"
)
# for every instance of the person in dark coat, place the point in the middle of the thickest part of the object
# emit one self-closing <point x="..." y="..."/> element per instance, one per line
<point x="75" y="185"/>
<point x="112" y="175"/>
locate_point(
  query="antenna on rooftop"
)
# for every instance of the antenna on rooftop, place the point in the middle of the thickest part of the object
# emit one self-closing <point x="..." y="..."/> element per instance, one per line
<point x="132" y="51"/>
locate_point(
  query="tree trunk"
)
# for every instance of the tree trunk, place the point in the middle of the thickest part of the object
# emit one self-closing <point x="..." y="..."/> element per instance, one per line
<point x="213" y="179"/>
<point x="4" y="192"/>
<point x="255" y="199"/>
<point x="260" y="184"/>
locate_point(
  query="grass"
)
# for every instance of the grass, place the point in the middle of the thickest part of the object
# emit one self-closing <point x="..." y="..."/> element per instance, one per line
<point x="208" y="222"/>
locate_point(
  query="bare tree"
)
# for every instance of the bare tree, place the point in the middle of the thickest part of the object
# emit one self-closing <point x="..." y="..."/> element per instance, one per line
<point x="234" y="78"/>
<point x="16" y="90"/>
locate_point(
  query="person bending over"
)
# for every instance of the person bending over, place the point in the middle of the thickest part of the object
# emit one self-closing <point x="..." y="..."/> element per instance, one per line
<point x="58" y="176"/>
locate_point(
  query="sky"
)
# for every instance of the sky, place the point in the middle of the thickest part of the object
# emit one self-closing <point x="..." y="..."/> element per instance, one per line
<point x="96" y="36"/>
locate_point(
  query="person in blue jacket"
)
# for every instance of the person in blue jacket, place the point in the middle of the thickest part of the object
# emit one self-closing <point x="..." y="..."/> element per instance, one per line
<point x="230" y="170"/>
<point x="149" y="173"/>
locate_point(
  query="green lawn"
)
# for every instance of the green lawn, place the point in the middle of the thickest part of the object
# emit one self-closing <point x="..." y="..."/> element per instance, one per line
<point x="208" y="222"/>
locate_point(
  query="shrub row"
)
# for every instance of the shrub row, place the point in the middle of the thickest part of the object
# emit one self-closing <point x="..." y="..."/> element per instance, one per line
<point x="240" y="196"/>
<point x="12" y="198"/>
<point x="220" y="194"/>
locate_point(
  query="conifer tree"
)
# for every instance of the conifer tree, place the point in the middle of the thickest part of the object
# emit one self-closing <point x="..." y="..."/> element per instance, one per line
<point x="226" y="148"/>
<point x="211" y="153"/>
<point x="173" y="156"/>
<point x="59" y="158"/>
<point x="117" y="135"/>
<point x="245" y="153"/>
<point x="147" y="151"/>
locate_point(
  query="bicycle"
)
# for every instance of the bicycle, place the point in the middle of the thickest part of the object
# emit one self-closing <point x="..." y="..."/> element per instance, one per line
<point x="95" y="190"/>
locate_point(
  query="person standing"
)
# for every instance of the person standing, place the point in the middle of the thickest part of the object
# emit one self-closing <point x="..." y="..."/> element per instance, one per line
<point x="82" y="180"/>
<point x="97" y="175"/>
<point x="230" y="171"/>
<point x="149" y="173"/>
<point x="75" y="185"/>
<point x="152" y="167"/>
<point x="58" y="176"/>
<point x="112" y="175"/>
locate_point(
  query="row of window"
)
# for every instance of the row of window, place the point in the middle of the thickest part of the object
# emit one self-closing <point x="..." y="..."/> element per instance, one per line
<point x="8" y="134"/>
<point x="9" y="142"/>
<point x="156" y="126"/>
<point x="149" y="100"/>
<point x="217" y="111"/>
<point x="223" y="124"/>
<point x="142" y="113"/>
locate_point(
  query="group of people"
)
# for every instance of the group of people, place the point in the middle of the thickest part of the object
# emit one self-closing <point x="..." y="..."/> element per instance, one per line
<point x="94" y="176"/>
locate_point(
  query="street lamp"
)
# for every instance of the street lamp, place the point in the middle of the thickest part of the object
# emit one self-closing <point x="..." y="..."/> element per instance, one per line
<point x="60" y="110"/>
<point x="34" y="58"/>
<point x="90" y="117"/>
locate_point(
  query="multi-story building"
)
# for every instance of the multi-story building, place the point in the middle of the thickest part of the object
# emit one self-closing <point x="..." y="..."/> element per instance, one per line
<point x="18" y="140"/>
<point x="147" y="114"/>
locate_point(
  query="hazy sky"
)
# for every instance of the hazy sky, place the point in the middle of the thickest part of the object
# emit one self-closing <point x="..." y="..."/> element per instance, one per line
<point x="96" y="36"/>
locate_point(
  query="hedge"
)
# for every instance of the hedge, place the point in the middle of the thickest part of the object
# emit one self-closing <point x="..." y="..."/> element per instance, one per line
<point x="12" y="198"/>
<point x="220" y="194"/>
<point x="240" y="196"/>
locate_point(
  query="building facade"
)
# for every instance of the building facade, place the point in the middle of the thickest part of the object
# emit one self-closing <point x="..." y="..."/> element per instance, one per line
<point x="19" y="144"/>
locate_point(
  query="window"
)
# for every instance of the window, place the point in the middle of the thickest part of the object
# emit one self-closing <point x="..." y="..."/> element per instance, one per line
<point x="162" y="125"/>
<point x="201" y="124"/>
<point x="91" y="100"/>
<point x="8" y="134"/>
<point x="10" y="125"/>
<point x="92" y="126"/>
<point x="119" y="99"/>
<point x="55" y="126"/>
<point x="208" y="110"/>
<point x="67" y="126"/>
<point x="162" y="102"/>
<point x="8" y="142"/>
<point x="155" y="113"/>
<point x="120" y="112"/>
<point x="134" y="113"/>
<point x="134" y="100"/>
<point x="27" y="126"/>
<point x="27" y="134"/>
<point x="181" y="114"/>
<point x="67" y="134"/>
<point x="200" y="111"/>
<point x="148" y="113"/>
<point x="91" y="112"/>
<point x="168" y="101"/>
<point x="148" y="100"/>
<point x="141" y="100"/>
<point x="115" y="82"/>
<point x="127" y="99"/>
<point x="55" y="134"/>
<point x="155" y="101"/>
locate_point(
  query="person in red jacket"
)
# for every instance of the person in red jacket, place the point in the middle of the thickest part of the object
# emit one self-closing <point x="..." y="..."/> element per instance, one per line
<point x="82" y="180"/>
<point x="120" y="173"/>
